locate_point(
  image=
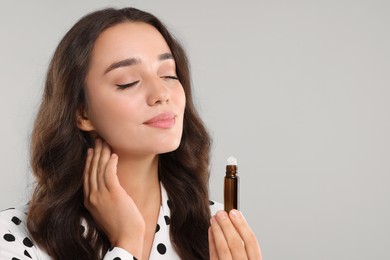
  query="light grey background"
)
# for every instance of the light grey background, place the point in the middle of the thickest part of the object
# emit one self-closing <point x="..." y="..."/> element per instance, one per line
<point x="298" y="91"/>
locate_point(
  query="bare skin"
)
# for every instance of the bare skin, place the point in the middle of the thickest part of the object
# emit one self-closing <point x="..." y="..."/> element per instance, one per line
<point x="230" y="237"/>
<point x="131" y="81"/>
<point x="121" y="186"/>
<point x="132" y="227"/>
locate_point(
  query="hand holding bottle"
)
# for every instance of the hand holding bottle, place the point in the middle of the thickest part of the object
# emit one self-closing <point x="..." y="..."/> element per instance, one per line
<point x="230" y="237"/>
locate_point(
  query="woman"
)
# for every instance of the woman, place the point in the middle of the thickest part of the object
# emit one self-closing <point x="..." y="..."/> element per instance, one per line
<point x="120" y="154"/>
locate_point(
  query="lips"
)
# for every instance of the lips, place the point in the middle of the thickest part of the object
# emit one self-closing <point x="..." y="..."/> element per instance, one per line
<point x="164" y="120"/>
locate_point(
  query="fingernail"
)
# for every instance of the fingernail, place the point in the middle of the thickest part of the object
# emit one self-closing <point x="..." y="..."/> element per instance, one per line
<point x="221" y="215"/>
<point x="234" y="213"/>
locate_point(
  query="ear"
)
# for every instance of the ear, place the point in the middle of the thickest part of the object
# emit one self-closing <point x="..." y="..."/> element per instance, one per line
<point x="83" y="122"/>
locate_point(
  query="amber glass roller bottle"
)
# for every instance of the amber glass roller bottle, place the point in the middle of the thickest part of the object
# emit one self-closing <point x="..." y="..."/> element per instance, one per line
<point x="231" y="185"/>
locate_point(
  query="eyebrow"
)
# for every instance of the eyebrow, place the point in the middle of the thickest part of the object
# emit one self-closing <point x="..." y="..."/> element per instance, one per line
<point x="134" y="61"/>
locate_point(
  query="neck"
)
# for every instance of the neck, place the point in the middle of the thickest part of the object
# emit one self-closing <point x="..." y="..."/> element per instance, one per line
<point x="139" y="177"/>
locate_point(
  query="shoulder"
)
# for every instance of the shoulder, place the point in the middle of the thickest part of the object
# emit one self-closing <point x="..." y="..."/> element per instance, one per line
<point x="13" y="219"/>
<point x="215" y="207"/>
<point x="15" y="241"/>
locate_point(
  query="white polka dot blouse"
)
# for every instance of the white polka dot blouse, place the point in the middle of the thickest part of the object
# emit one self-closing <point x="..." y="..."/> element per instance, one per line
<point x="16" y="243"/>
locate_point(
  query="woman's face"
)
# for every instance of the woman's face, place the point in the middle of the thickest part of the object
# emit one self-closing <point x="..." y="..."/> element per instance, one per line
<point x="134" y="100"/>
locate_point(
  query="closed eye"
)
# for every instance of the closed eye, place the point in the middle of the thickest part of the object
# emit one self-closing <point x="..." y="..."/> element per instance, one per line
<point x="170" y="77"/>
<point x="128" y="85"/>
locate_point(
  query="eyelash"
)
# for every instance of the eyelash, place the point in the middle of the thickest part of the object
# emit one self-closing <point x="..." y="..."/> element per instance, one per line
<point x="124" y="86"/>
<point x="129" y="85"/>
<point x="170" y="77"/>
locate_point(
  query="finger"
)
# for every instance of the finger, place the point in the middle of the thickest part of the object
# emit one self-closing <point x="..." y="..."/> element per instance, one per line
<point x="93" y="184"/>
<point x="105" y="155"/>
<point x="86" y="171"/>
<point x="251" y="245"/>
<point x="111" y="177"/>
<point x="221" y="244"/>
<point x="212" y="248"/>
<point x="233" y="238"/>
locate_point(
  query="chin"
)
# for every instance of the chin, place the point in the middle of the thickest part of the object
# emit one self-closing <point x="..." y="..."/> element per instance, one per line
<point x="168" y="147"/>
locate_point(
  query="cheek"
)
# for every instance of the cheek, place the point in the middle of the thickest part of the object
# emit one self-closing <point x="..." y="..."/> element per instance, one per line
<point x="181" y="98"/>
<point x="101" y="110"/>
<point x="109" y="113"/>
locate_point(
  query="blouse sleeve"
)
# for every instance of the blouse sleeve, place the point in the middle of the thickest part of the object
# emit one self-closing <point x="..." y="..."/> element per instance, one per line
<point x="215" y="207"/>
<point x="14" y="243"/>
<point x="117" y="253"/>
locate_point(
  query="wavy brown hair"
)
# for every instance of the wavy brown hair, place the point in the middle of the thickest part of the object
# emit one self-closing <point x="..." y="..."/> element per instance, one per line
<point x="58" y="152"/>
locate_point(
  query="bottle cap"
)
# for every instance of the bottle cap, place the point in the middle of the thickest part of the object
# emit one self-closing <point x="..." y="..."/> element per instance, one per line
<point x="232" y="160"/>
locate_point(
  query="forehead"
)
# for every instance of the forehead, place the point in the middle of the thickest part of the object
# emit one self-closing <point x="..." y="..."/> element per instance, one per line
<point x="129" y="39"/>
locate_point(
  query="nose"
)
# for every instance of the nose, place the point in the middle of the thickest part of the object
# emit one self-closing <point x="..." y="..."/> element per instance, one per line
<point x="158" y="93"/>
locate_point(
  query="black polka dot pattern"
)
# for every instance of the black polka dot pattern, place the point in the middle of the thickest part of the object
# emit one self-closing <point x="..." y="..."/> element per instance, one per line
<point x="9" y="237"/>
<point x="27" y="242"/>
<point x="15" y="237"/>
<point x="169" y="203"/>
<point x="157" y="228"/>
<point x="27" y="254"/>
<point x="161" y="248"/>
<point x="82" y="229"/>
<point x="16" y="220"/>
<point x="167" y="220"/>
